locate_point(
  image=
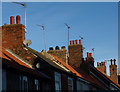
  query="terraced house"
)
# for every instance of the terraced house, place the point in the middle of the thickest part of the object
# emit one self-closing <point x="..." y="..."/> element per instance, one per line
<point x="24" y="69"/>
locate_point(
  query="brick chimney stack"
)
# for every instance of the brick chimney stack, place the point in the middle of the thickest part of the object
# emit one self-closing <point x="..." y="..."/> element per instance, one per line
<point x="75" y="53"/>
<point x="102" y="67"/>
<point x="113" y="71"/>
<point x="13" y="35"/>
<point x="60" y="53"/>
<point x="90" y="58"/>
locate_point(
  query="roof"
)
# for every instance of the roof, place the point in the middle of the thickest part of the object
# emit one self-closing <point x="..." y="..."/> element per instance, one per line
<point x="80" y="73"/>
<point x="14" y="62"/>
<point x="47" y="59"/>
<point x="107" y="77"/>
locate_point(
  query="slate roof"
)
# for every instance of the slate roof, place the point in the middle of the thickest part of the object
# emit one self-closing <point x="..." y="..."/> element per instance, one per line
<point x="11" y="61"/>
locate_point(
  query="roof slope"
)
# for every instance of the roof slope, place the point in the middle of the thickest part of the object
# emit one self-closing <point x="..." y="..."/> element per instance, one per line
<point x="14" y="62"/>
<point x="108" y="77"/>
<point x="80" y="73"/>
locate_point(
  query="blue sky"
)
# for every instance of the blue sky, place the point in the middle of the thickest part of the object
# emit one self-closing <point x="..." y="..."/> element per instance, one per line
<point x="96" y="22"/>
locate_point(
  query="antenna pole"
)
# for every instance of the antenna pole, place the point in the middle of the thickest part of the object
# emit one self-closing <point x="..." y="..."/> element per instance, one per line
<point x="68" y="36"/>
<point x="25" y="18"/>
<point x="44" y="39"/>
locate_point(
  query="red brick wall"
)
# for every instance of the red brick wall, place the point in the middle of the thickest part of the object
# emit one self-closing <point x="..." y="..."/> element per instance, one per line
<point x="75" y="54"/>
<point x="113" y="73"/>
<point x="61" y="54"/>
<point x="13" y="35"/>
<point x="102" y="67"/>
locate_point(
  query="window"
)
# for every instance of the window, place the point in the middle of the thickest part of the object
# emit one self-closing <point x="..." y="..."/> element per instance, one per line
<point x="79" y="86"/>
<point x="3" y="80"/>
<point x="57" y="81"/>
<point x="70" y="84"/>
<point x="23" y="83"/>
<point x="37" y="85"/>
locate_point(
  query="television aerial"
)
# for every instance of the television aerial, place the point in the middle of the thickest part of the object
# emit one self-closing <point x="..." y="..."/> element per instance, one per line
<point x="24" y="5"/>
<point x="27" y="42"/>
<point x="81" y="37"/>
<point x="43" y="28"/>
<point x="68" y="32"/>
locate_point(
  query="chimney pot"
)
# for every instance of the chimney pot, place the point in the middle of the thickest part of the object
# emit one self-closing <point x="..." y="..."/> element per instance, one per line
<point x="18" y="19"/>
<point x="114" y="61"/>
<point x="73" y="41"/>
<point x="104" y="64"/>
<point x="111" y="62"/>
<point x="63" y="47"/>
<point x="51" y="48"/>
<point x="70" y="42"/>
<point x="80" y="42"/>
<point x="90" y="54"/>
<point x="76" y="41"/>
<point x="57" y="48"/>
<point x="97" y="63"/>
<point x="12" y="20"/>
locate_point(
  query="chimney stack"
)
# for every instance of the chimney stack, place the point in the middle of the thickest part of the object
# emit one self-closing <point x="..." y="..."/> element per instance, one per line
<point x="75" y="54"/>
<point x="90" y="59"/>
<point x="12" y="20"/>
<point x="113" y="71"/>
<point x="15" y="36"/>
<point x="60" y="53"/>
<point x="102" y="67"/>
<point x="18" y="19"/>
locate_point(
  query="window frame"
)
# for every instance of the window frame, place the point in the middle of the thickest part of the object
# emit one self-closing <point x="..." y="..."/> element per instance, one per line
<point x="37" y="84"/>
<point x="56" y="74"/>
<point x="70" y="79"/>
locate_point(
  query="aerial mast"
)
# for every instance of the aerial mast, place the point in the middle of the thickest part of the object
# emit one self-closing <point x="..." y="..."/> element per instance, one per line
<point x="43" y="28"/>
<point x="24" y="5"/>
<point x="68" y="32"/>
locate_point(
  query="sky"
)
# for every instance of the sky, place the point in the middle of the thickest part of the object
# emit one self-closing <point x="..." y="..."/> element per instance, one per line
<point x="96" y="22"/>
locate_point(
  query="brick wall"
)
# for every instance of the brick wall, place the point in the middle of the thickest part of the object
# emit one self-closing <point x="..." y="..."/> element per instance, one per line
<point x="90" y="58"/>
<point x="60" y="53"/>
<point x="13" y="35"/>
<point x="113" y="71"/>
<point x="75" y="53"/>
<point x="102" y="67"/>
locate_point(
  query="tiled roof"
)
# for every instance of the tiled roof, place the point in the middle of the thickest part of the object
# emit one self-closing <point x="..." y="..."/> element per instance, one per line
<point x="13" y="62"/>
<point x="80" y="73"/>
